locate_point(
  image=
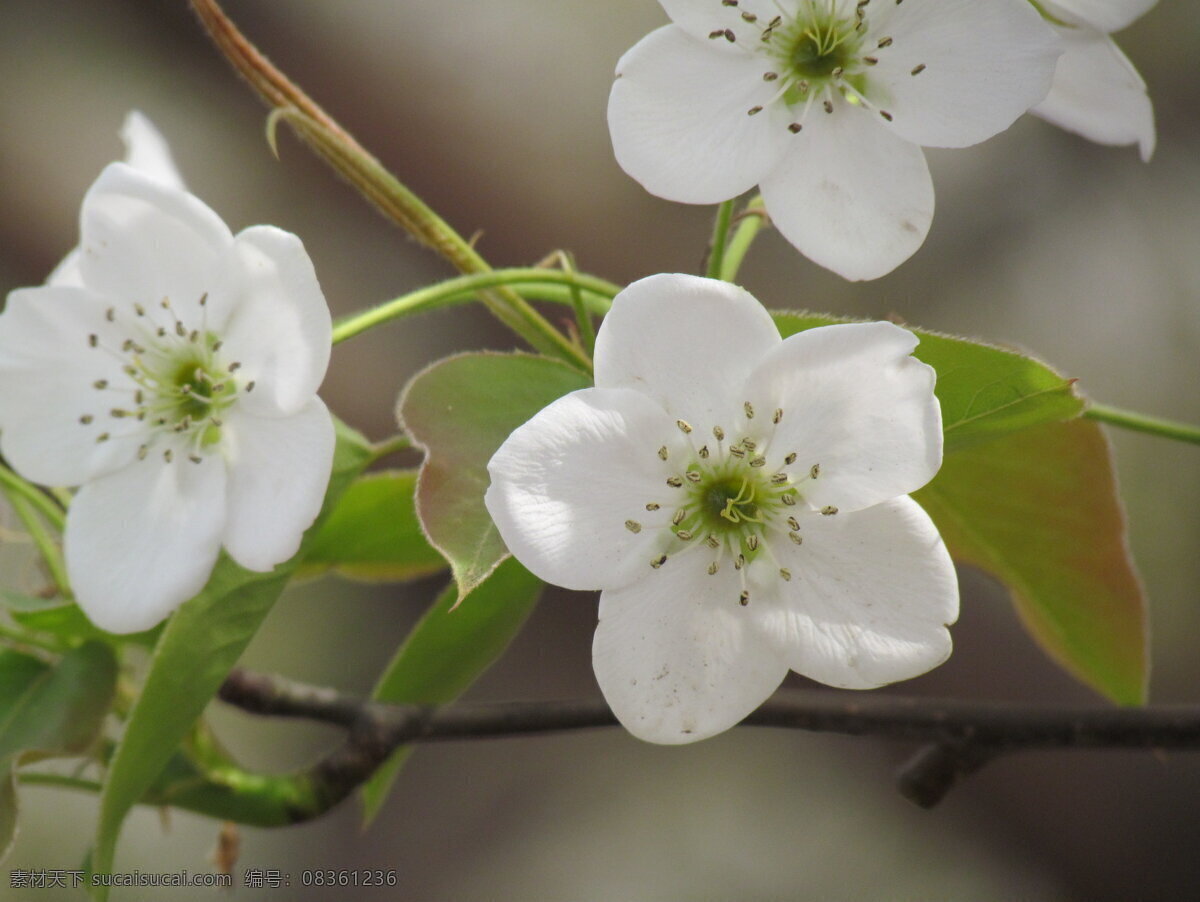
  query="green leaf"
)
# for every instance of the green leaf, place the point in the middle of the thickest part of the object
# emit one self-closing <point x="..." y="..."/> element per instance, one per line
<point x="1032" y="500"/>
<point x="49" y="710"/>
<point x="460" y="410"/>
<point x="1039" y="510"/>
<point x="448" y="650"/>
<point x="64" y="619"/>
<point x="20" y="603"/>
<point x="373" y="534"/>
<point x="985" y="391"/>
<point x="198" y="647"/>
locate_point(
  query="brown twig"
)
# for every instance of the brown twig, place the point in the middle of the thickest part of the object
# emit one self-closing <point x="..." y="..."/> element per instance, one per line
<point x="962" y="736"/>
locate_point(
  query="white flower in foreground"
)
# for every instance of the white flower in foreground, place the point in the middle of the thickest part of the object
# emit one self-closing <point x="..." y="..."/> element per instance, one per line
<point x="1097" y="93"/>
<point x="824" y="105"/>
<point x="171" y="372"/>
<point x="741" y="501"/>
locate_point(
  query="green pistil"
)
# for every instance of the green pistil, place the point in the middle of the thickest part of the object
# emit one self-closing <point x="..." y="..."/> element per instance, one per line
<point x="738" y="507"/>
<point x="815" y="52"/>
<point x="193" y="389"/>
<point x="814" y="59"/>
<point x="732" y="502"/>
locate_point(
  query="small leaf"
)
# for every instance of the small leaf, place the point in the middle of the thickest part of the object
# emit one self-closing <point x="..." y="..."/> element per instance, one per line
<point x="373" y="534"/>
<point x="1039" y="510"/>
<point x="448" y="650"/>
<point x="460" y="410"/>
<point x="20" y="603"/>
<point x="49" y="710"/>
<point x="64" y="619"/>
<point x="985" y="391"/>
<point x="198" y="647"/>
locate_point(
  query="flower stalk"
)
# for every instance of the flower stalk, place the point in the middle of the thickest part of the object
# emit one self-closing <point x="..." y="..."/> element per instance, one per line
<point x="45" y="543"/>
<point x="542" y="284"/>
<point x="1138" y="422"/>
<point x="752" y="220"/>
<point x="339" y="148"/>
<point x="720" y="238"/>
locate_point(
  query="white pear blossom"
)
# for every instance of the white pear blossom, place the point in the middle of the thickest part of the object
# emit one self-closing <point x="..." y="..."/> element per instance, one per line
<point x="1097" y="93"/>
<point x="824" y="104"/>
<point x="169" y="369"/>
<point x="741" y="501"/>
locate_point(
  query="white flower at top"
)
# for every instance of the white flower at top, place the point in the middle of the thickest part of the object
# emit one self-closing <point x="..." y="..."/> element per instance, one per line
<point x="170" y="371"/>
<point x="741" y="501"/>
<point x="824" y="104"/>
<point x="1097" y="93"/>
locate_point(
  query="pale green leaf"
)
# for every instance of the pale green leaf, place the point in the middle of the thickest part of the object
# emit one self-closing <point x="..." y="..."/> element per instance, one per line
<point x="460" y="410"/>
<point x="984" y="391"/>
<point x="449" y="649"/>
<point x="1039" y="510"/>
<point x="49" y="710"/>
<point x="373" y="534"/>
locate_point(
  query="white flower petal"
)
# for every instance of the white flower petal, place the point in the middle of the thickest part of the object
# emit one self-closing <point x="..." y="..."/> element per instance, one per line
<point x="147" y="151"/>
<point x="143" y="242"/>
<point x="851" y="196"/>
<point x="700" y="18"/>
<point x="67" y="272"/>
<point x="678" y="658"/>
<point x="869" y="600"/>
<point x="278" y="472"/>
<point x="678" y="118"/>
<point x="686" y="342"/>
<point x="1106" y="15"/>
<point x="985" y="63"/>
<point x="280" y="329"/>
<point x="143" y="540"/>
<point x="48" y="371"/>
<point x="855" y="402"/>
<point x="1097" y="93"/>
<point x="565" y="483"/>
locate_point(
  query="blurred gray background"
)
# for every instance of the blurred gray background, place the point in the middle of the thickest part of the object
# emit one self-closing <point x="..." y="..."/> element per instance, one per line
<point x="493" y="111"/>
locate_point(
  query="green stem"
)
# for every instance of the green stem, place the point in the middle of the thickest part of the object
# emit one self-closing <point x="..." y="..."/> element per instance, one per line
<point x="58" y="780"/>
<point x="583" y="318"/>
<point x="752" y="220"/>
<point x="20" y="637"/>
<point x="15" y="485"/>
<point x="410" y="212"/>
<point x="720" y="236"/>
<point x="544" y="284"/>
<point x="390" y="446"/>
<point x="341" y="151"/>
<point x="46" y="543"/>
<point x="1127" y="419"/>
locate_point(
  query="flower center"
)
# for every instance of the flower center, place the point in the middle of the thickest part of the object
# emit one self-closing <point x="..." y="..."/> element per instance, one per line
<point x="822" y="54"/>
<point x="733" y="499"/>
<point x="816" y="49"/>
<point x="176" y="386"/>
<point x="725" y="505"/>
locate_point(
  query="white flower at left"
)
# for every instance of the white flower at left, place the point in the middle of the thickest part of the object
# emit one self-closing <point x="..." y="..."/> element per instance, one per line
<point x="169" y="369"/>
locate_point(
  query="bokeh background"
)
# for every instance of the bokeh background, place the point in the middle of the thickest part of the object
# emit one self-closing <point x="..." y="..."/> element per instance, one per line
<point x="493" y="111"/>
